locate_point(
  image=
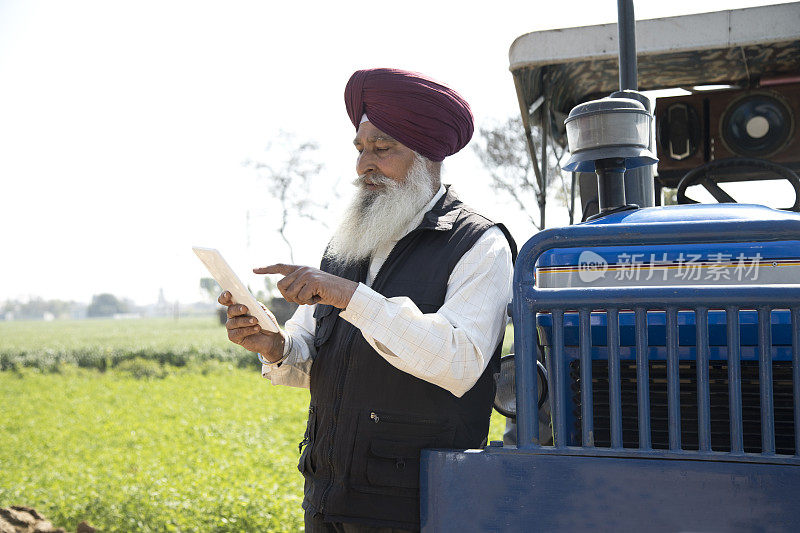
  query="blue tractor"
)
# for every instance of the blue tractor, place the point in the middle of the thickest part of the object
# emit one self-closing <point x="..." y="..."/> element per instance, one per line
<point x="656" y="382"/>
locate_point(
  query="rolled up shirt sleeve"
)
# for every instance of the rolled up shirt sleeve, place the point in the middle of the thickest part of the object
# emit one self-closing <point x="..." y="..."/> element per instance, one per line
<point x="451" y="347"/>
<point x="295" y="370"/>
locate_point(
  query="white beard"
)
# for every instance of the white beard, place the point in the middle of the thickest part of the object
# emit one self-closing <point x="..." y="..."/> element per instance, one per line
<point x="376" y="218"/>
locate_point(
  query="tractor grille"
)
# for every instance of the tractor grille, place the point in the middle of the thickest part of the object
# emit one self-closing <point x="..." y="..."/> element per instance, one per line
<point x="720" y="419"/>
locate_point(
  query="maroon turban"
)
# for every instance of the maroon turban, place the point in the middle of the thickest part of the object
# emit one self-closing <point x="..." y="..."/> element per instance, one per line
<point x="426" y="116"/>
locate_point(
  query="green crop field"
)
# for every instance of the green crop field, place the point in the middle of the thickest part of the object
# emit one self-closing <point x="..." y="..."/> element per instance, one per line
<point x="106" y="343"/>
<point x="147" y="425"/>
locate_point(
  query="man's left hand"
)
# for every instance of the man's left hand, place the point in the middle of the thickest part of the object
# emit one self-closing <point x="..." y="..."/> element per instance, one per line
<point x="305" y="285"/>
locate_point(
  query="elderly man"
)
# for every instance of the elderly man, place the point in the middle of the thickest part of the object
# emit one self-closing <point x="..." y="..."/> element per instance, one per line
<point x="399" y="330"/>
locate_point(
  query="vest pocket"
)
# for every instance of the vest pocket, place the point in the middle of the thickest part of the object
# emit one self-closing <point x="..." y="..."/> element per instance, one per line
<point x="305" y="465"/>
<point x="387" y="451"/>
<point x="393" y="463"/>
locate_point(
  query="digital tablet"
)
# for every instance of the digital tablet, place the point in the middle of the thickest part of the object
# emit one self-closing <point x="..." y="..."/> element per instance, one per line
<point x="230" y="282"/>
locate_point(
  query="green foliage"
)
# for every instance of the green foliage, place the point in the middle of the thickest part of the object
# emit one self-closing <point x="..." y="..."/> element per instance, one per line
<point x="189" y="452"/>
<point x="141" y="368"/>
<point x="670" y="196"/>
<point x="174" y="436"/>
<point x="105" y="305"/>
<point x="508" y="340"/>
<point x="105" y="343"/>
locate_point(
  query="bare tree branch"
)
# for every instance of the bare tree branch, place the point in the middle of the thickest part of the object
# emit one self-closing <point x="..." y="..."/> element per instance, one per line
<point x="289" y="179"/>
<point x="503" y="150"/>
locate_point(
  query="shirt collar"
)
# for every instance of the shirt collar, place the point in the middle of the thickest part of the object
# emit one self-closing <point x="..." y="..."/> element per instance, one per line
<point x="421" y="214"/>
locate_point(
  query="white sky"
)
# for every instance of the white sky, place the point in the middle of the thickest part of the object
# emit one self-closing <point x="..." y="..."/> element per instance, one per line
<point x="124" y="125"/>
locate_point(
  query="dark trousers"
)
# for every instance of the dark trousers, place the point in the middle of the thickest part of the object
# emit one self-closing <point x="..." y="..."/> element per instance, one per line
<point x="316" y="525"/>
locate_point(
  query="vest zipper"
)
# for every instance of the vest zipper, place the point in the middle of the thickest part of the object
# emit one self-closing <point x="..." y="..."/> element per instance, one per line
<point x="378" y="418"/>
<point x="334" y="419"/>
<point x="307" y="435"/>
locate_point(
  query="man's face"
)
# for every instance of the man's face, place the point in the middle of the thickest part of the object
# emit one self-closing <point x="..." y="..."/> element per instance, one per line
<point x="394" y="183"/>
<point x="379" y="153"/>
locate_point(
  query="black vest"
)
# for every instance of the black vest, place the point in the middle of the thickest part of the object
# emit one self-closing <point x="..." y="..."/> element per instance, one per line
<point x="367" y="420"/>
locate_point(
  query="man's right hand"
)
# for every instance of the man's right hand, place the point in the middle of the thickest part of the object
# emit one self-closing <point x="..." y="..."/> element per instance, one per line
<point x="243" y="329"/>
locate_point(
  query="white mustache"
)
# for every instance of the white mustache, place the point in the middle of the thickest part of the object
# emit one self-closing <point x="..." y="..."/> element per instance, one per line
<point x="373" y="179"/>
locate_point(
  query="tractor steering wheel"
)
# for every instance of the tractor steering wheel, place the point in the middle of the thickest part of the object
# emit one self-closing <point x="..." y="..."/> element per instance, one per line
<point x="701" y="176"/>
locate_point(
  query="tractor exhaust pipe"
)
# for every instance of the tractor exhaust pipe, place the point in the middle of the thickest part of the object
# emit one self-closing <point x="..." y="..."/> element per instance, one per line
<point x="626" y="30"/>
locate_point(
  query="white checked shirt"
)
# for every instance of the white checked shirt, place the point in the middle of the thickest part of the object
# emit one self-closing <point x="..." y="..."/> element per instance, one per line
<point x="450" y="348"/>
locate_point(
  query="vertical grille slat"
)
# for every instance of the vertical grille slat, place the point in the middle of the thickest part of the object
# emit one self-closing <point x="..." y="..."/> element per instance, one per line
<point x="642" y="379"/>
<point x="703" y="393"/>
<point x="559" y="370"/>
<point x="734" y="379"/>
<point x="586" y="416"/>
<point x="614" y="392"/>
<point x="673" y="383"/>
<point x="765" y="380"/>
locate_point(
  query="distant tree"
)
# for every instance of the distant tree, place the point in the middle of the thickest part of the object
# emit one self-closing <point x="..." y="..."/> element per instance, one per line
<point x="106" y="305"/>
<point x="213" y="290"/>
<point x="272" y="298"/>
<point x="504" y="152"/>
<point x="288" y="171"/>
<point x="670" y="196"/>
<point x="211" y="287"/>
<point x="271" y="290"/>
<point x="37" y="308"/>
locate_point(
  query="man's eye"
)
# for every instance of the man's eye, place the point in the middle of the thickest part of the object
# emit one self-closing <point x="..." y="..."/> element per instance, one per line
<point x="381" y="149"/>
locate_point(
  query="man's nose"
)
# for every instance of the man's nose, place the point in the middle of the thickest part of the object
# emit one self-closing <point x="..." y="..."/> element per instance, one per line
<point x="365" y="163"/>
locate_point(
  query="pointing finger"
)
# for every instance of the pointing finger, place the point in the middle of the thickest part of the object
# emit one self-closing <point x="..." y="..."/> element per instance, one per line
<point x="279" y="268"/>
